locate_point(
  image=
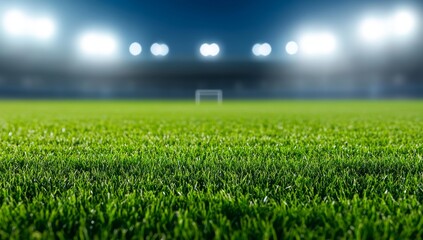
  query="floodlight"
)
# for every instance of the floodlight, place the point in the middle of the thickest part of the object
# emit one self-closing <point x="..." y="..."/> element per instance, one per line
<point x="97" y="44"/>
<point x="373" y="30"/>
<point x="15" y="22"/>
<point x="322" y="43"/>
<point x="135" y="49"/>
<point x="291" y="48"/>
<point x="43" y="28"/>
<point x="403" y="23"/>
<point x="18" y="24"/>
<point x="209" y="50"/>
<point x="262" y="50"/>
<point x="159" y="50"/>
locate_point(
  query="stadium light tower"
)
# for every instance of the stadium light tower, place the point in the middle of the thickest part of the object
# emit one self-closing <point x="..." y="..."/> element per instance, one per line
<point x="209" y="50"/>
<point x="291" y="48"/>
<point x="404" y="22"/>
<point x="159" y="49"/>
<point x="135" y="49"/>
<point x="43" y="28"/>
<point x="373" y="30"/>
<point x="262" y="49"/>
<point x="95" y="44"/>
<point x="15" y="23"/>
<point x="317" y="44"/>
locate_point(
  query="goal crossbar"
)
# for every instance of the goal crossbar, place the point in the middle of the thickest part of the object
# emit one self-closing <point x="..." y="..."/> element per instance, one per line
<point x="208" y="92"/>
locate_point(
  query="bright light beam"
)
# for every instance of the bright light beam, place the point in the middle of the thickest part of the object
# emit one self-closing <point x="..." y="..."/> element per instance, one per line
<point x="404" y="23"/>
<point x="262" y="50"/>
<point x="15" y="23"/>
<point x="135" y="49"/>
<point x="159" y="50"/>
<point x="44" y="28"/>
<point x="291" y="48"/>
<point x="373" y="30"/>
<point x="209" y="50"/>
<point x="98" y="44"/>
<point x="18" y="24"/>
<point x="317" y="44"/>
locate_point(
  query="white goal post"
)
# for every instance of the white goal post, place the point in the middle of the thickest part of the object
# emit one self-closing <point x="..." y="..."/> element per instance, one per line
<point x="208" y="92"/>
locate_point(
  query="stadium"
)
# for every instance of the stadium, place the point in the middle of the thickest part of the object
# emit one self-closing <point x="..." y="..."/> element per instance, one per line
<point x="211" y="120"/>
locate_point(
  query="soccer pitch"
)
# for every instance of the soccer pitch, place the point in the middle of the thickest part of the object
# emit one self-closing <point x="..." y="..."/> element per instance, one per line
<point x="254" y="169"/>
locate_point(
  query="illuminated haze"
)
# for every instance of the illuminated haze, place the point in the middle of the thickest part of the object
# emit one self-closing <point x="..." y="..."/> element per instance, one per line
<point x="367" y="48"/>
<point x="185" y="24"/>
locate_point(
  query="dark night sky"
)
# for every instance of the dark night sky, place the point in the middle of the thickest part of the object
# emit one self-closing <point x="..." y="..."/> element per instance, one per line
<point x="185" y="24"/>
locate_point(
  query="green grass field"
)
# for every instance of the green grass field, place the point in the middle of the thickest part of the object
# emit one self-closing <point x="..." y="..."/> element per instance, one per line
<point x="258" y="170"/>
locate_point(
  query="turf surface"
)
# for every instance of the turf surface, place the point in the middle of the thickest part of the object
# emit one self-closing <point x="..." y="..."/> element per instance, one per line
<point x="161" y="170"/>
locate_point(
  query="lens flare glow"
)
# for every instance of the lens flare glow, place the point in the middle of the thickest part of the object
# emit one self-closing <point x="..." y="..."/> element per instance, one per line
<point x="318" y="43"/>
<point x="159" y="50"/>
<point x="98" y="44"/>
<point x="43" y="28"/>
<point x="262" y="50"/>
<point x="135" y="49"/>
<point x="209" y="50"/>
<point x="291" y="48"/>
<point x="15" y="23"/>
<point x="403" y="23"/>
<point x="18" y="24"/>
<point x="373" y="30"/>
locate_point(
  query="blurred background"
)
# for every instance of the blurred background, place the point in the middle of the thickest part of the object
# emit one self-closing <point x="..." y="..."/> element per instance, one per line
<point x="247" y="48"/>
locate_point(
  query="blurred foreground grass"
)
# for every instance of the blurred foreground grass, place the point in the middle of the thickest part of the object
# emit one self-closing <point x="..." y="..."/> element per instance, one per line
<point x="253" y="169"/>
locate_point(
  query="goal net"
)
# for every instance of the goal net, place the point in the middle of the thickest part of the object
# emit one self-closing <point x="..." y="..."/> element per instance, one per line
<point x="208" y="94"/>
